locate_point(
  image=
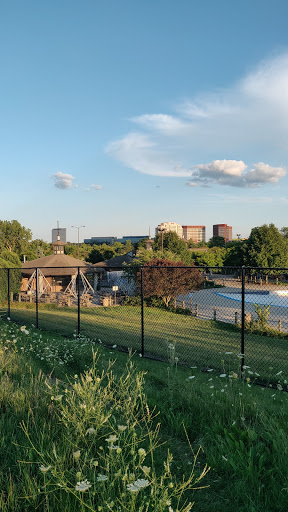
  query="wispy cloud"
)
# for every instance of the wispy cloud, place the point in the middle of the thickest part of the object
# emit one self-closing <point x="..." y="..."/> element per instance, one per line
<point x="249" y="119"/>
<point x="63" y="180"/>
<point x="95" y="187"/>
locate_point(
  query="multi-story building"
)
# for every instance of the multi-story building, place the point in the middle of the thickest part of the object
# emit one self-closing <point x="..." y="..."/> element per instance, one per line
<point x="194" y="233"/>
<point x="169" y="226"/>
<point x="110" y="240"/>
<point x="223" y="230"/>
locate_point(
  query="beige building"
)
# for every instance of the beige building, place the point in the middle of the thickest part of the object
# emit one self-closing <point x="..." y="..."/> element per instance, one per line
<point x="169" y="226"/>
<point x="194" y="233"/>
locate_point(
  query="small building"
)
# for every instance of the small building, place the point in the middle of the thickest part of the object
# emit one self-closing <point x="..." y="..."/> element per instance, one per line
<point x="56" y="273"/>
<point x="110" y="273"/>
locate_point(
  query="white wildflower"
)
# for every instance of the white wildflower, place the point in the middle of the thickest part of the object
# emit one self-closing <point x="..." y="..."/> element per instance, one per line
<point x="112" y="438"/>
<point x="83" y="486"/>
<point x="121" y="428"/>
<point x="191" y="377"/>
<point x="76" y="455"/>
<point x="90" y="431"/>
<point x="44" y="469"/>
<point x="137" y="485"/>
<point x="223" y="375"/>
<point x="101" y="478"/>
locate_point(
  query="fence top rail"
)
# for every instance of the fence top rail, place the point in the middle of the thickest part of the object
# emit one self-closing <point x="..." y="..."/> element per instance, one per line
<point x="95" y="269"/>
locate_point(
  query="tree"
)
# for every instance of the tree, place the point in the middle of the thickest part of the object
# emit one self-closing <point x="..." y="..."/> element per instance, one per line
<point x="234" y="256"/>
<point x="9" y="260"/>
<point x="217" y="241"/>
<point x="266" y="247"/>
<point x="37" y="249"/>
<point x="284" y="232"/>
<point x="214" y="257"/>
<point x="171" y="241"/>
<point x="163" y="278"/>
<point x="13" y="236"/>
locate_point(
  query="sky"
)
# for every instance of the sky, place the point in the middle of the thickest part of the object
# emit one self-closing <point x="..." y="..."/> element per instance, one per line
<point x="119" y="115"/>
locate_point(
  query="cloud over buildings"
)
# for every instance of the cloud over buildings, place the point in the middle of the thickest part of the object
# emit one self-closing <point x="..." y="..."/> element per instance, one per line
<point x="249" y="119"/>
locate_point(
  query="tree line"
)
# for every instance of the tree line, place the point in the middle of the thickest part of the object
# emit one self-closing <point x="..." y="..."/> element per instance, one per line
<point x="267" y="246"/>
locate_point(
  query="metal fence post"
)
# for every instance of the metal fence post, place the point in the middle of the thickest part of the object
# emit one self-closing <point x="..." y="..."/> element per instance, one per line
<point x="36" y="301"/>
<point x="78" y="303"/>
<point x="242" y="319"/>
<point x="8" y="292"/>
<point x="142" y="312"/>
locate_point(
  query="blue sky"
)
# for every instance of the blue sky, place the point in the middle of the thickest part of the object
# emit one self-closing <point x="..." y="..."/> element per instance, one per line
<point x="119" y="115"/>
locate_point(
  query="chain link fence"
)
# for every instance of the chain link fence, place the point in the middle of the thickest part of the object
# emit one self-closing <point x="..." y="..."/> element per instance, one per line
<point x="216" y="319"/>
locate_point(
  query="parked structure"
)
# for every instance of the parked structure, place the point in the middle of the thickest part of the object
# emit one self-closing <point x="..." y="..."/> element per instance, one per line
<point x="194" y="233"/>
<point x="223" y="230"/>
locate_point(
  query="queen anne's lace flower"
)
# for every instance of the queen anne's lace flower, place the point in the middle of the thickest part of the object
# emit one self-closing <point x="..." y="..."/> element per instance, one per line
<point x="137" y="485"/>
<point x="83" y="486"/>
<point x="101" y="478"/>
<point x="44" y="469"/>
<point x="90" y="431"/>
<point x="111" y="439"/>
<point x="121" y="428"/>
<point x="76" y="455"/>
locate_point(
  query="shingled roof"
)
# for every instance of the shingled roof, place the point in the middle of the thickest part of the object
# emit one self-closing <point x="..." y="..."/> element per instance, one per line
<point x="56" y="265"/>
<point x="115" y="263"/>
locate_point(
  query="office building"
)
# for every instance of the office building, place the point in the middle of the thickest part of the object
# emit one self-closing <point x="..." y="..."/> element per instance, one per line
<point x="194" y="233"/>
<point x="223" y="230"/>
<point x="169" y="226"/>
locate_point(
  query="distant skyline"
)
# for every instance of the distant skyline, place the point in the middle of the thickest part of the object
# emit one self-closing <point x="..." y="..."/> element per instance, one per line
<point x="121" y="115"/>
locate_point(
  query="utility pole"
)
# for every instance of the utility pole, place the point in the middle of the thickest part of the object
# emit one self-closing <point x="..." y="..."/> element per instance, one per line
<point x="161" y="230"/>
<point x="78" y="227"/>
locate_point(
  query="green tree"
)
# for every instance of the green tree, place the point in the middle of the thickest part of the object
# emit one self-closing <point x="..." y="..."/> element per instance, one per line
<point x="266" y="247"/>
<point x="163" y="278"/>
<point x="14" y="237"/>
<point x="214" y="257"/>
<point x="235" y="254"/>
<point x="9" y="260"/>
<point x="37" y="249"/>
<point x="217" y="241"/>
<point x="171" y="242"/>
<point x="284" y="232"/>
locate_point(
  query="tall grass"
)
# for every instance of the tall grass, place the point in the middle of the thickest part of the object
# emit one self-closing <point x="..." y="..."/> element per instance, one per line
<point x="241" y="428"/>
<point x="89" y="443"/>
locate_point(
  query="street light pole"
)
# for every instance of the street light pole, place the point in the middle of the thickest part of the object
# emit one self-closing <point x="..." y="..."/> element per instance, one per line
<point x="78" y="227"/>
<point x="161" y="230"/>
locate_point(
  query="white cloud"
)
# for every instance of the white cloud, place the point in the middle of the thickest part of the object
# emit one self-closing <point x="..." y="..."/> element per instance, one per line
<point x="161" y="122"/>
<point x="139" y="152"/>
<point x="248" y="119"/>
<point x="63" y="180"/>
<point x="95" y="187"/>
<point x="235" y="174"/>
<point x="263" y="173"/>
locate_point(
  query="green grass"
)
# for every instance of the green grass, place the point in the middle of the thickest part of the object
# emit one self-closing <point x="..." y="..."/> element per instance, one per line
<point x="200" y="343"/>
<point x="242" y="428"/>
